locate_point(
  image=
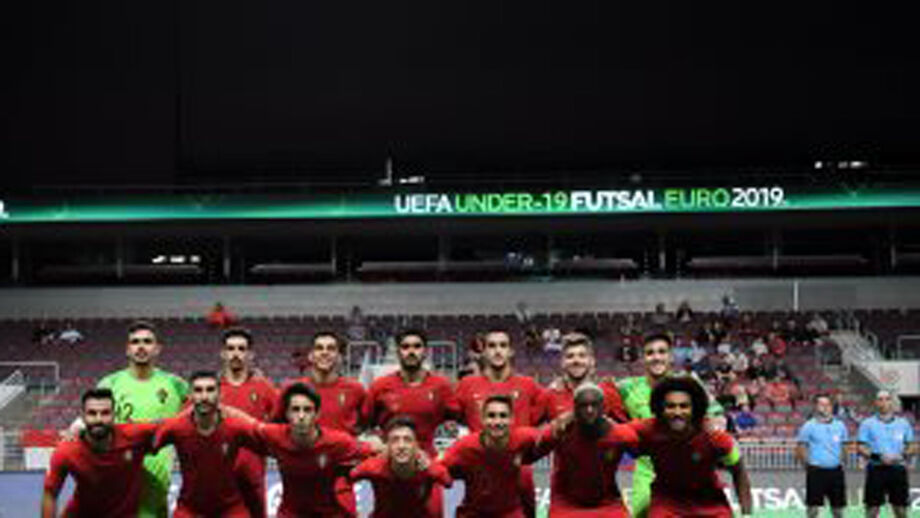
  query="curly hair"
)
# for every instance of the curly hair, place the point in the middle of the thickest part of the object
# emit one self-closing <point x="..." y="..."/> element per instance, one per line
<point x="698" y="397"/>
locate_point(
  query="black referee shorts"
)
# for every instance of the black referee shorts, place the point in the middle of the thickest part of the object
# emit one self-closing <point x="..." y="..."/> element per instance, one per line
<point x="886" y="481"/>
<point x="821" y="483"/>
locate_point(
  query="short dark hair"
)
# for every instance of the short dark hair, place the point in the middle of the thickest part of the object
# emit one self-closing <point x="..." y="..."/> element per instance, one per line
<point x="820" y="395"/>
<point x="658" y="336"/>
<point x="236" y="331"/>
<point x="686" y="384"/>
<point x="202" y="374"/>
<point x="499" y="398"/>
<point x="412" y="332"/>
<point x="97" y="393"/>
<point x="400" y="421"/>
<point x="300" y="389"/>
<point x="339" y="342"/>
<point x="143" y="325"/>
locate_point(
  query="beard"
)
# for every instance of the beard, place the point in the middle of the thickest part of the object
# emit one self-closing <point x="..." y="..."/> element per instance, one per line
<point x="99" y="431"/>
<point x="594" y="429"/>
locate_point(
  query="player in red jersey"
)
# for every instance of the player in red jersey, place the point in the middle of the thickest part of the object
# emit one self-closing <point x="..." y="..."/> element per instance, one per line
<point x="106" y="461"/>
<point x="498" y="377"/>
<point x="342" y="397"/>
<point x="583" y="482"/>
<point x="686" y="454"/>
<point x="310" y="457"/>
<point x="413" y="391"/>
<point x="255" y="395"/>
<point x="207" y="444"/>
<point x="403" y="478"/>
<point x="578" y="367"/>
<point x="490" y="461"/>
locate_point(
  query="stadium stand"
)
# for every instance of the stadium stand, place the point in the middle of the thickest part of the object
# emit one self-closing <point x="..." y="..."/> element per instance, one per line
<point x="191" y="344"/>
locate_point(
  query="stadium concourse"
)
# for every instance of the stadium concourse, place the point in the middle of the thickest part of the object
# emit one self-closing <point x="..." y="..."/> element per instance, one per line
<point x="785" y="362"/>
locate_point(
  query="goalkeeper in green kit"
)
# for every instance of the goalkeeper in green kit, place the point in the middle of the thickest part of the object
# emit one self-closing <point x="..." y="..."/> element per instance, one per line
<point x="636" y="393"/>
<point x="146" y="393"/>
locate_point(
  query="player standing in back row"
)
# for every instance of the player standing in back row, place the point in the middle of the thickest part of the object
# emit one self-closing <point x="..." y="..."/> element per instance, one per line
<point x="498" y="377"/>
<point x="242" y="389"/>
<point x="145" y="393"/>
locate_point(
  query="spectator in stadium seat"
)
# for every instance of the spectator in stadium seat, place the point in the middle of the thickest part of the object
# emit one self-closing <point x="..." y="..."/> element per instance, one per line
<point x="740" y="363"/>
<point x="705" y="336"/>
<point x="730" y="311"/>
<point x="70" y="335"/>
<point x="757" y="368"/>
<point x="779" y="392"/>
<point x="43" y="334"/>
<point x="841" y="410"/>
<point x="660" y="317"/>
<point x="684" y="313"/>
<point x="699" y="358"/>
<point x="552" y="340"/>
<point x="221" y="317"/>
<point x="817" y="327"/>
<point x="777" y="345"/>
<point x="631" y="326"/>
<point x="628" y="351"/>
<point x="759" y="347"/>
<point x="756" y="388"/>
<point x="744" y="419"/>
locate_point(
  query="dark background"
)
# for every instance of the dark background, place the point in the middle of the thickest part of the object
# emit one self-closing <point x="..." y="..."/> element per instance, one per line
<point x="312" y="91"/>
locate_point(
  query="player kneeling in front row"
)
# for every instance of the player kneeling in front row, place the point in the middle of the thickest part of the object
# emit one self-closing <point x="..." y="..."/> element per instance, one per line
<point x="106" y="461"/>
<point x="404" y="476"/>
<point x="686" y="455"/>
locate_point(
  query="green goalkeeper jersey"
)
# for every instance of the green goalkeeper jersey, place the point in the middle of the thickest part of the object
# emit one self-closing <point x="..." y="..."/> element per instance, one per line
<point x="158" y="397"/>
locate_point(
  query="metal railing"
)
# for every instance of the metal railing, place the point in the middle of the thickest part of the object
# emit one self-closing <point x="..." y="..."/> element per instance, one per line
<point x="41" y="376"/>
<point x="11" y="388"/>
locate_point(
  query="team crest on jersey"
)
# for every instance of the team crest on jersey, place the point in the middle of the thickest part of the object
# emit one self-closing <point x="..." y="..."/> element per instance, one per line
<point x="517" y="460"/>
<point x="162" y="395"/>
<point x="253" y="396"/>
<point x="341" y="399"/>
<point x="515" y="394"/>
<point x="430" y="395"/>
<point x="129" y="455"/>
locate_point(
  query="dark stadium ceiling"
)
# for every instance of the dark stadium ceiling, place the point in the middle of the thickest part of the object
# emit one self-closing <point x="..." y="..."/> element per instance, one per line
<point x="480" y="90"/>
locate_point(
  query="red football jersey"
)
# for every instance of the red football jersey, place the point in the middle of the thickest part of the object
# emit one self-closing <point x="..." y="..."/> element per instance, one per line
<point x="584" y="473"/>
<point x="256" y="396"/>
<point x="396" y="497"/>
<point x="308" y="474"/>
<point x="108" y="484"/>
<point x="205" y="461"/>
<point x="684" y="468"/>
<point x="340" y="403"/>
<point x="429" y="403"/>
<point x="491" y="477"/>
<point x="556" y="401"/>
<point x="472" y="392"/>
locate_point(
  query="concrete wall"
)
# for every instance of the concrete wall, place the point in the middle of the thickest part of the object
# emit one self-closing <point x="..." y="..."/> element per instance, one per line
<point x="473" y="298"/>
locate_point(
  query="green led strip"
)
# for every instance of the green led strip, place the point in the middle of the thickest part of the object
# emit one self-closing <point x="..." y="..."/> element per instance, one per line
<point x="387" y="205"/>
